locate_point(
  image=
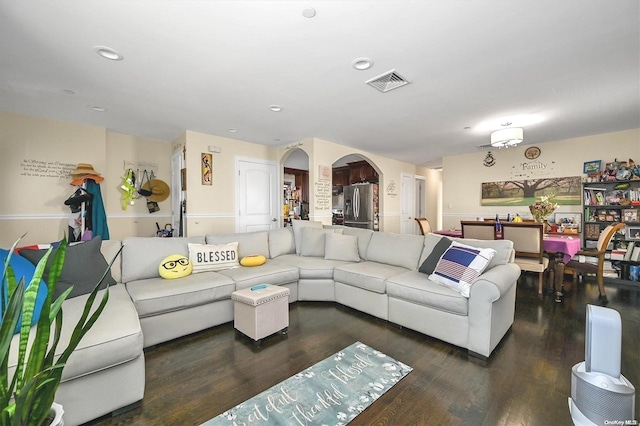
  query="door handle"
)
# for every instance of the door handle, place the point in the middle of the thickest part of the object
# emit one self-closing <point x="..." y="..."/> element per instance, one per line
<point x="274" y="220"/>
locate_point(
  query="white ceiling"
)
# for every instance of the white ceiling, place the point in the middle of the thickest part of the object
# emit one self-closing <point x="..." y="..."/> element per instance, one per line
<point x="210" y="66"/>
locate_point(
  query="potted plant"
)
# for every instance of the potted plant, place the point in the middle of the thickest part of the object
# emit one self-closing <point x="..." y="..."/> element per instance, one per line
<point x="27" y="396"/>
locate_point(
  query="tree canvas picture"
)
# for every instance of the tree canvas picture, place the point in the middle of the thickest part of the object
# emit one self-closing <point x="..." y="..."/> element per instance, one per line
<point x="565" y="190"/>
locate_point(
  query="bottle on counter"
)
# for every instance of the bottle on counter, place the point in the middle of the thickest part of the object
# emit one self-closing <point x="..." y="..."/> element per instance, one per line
<point x="498" y="225"/>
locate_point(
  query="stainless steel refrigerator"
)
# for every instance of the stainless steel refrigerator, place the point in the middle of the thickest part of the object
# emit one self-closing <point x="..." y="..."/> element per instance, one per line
<point x="361" y="206"/>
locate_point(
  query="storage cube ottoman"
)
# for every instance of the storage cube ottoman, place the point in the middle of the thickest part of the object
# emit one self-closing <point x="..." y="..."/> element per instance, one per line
<point x="261" y="310"/>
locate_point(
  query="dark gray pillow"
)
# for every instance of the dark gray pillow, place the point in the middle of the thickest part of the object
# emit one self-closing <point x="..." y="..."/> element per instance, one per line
<point x="429" y="264"/>
<point x="83" y="266"/>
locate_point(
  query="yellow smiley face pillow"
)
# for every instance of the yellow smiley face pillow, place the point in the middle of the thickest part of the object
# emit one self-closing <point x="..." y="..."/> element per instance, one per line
<point x="175" y="266"/>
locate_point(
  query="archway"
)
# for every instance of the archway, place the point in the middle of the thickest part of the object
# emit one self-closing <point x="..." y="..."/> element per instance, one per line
<point x="295" y="185"/>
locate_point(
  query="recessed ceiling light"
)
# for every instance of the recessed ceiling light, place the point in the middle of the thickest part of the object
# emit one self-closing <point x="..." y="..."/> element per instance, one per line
<point x="309" y="12"/>
<point x="362" y="64"/>
<point x="275" y="108"/>
<point x="233" y="130"/>
<point x="97" y="108"/>
<point x="108" y="53"/>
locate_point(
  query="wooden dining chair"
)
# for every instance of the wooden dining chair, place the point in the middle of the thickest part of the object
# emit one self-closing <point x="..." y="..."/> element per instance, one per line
<point x="596" y="268"/>
<point x="424" y="225"/>
<point x="528" y="244"/>
<point x="478" y="230"/>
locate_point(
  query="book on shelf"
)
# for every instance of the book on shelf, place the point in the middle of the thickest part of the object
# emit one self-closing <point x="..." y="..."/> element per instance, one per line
<point x="635" y="256"/>
<point x="630" y="249"/>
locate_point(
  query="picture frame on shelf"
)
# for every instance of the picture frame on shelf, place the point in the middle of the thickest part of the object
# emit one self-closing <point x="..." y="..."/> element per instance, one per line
<point x="633" y="233"/>
<point x="629" y="215"/>
<point x="592" y="167"/>
<point x="569" y="220"/>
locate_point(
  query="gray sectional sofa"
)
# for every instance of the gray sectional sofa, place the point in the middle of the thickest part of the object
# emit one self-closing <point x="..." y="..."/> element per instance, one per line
<point x="374" y="272"/>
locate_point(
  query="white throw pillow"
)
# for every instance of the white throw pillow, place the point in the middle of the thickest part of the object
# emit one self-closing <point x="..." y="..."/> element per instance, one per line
<point x="312" y="243"/>
<point x="298" y="226"/>
<point x="460" y="266"/>
<point x="213" y="257"/>
<point x="341" y="247"/>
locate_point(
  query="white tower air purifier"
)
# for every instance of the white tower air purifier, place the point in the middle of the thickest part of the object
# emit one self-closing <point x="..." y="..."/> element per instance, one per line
<point x="600" y="395"/>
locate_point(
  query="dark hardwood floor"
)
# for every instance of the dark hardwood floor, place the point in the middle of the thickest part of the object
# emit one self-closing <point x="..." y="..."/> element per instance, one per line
<point x="526" y="381"/>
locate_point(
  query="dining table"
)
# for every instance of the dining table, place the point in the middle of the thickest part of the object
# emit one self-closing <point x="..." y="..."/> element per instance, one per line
<point x="560" y="248"/>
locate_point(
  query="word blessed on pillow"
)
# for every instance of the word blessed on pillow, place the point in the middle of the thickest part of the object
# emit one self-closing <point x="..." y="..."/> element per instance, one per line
<point x="213" y="257"/>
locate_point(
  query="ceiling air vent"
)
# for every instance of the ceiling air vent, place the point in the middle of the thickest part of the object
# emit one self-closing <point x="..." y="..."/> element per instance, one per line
<point x="388" y="81"/>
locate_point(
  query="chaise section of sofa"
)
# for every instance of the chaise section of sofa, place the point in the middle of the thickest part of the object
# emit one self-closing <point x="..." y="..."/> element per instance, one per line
<point x="476" y="323"/>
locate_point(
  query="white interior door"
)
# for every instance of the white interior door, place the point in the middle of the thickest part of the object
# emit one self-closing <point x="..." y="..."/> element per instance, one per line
<point x="420" y="202"/>
<point x="407" y="223"/>
<point x="256" y="195"/>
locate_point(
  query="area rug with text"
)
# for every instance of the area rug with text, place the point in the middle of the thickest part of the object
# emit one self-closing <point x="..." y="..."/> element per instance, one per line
<point x="331" y="392"/>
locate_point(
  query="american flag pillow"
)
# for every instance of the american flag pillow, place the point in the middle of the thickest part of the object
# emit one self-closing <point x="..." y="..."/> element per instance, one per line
<point x="460" y="266"/>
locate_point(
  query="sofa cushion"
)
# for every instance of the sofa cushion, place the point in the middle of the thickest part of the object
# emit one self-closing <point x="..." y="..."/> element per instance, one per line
<point x="367" y="275"/>
<point x="154" y="296"/>
<point x="272" y="272"/>
<point x="364" y="238"/>
<point x="460" y="266"/>
<point x="395" y="249"/>
<point x="433" y="258"/>
<point x="142" y="255"/>
<point x="248" y="242"/>
<point x="298" y="226"/>
<point x="341" y="247"/>
<point x="281" y="242"/>
<point x="416" y="287"/>
<point x="109" y="249"/>
<point x="213" y="257"/>
<point x="83" y="267"/>
<point x="313" y="241"/>
<point x="312" y="267"/>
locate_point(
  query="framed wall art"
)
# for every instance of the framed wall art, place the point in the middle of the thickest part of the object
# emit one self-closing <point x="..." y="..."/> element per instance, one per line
<point x="592" y="167"/>
<point x="206" y="165"/>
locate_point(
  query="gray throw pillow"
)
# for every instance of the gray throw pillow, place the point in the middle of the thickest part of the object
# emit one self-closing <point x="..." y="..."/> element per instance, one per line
<point x="83" y="267"/>
<point x="429" y="264"/>
<point x="341" y="247"/>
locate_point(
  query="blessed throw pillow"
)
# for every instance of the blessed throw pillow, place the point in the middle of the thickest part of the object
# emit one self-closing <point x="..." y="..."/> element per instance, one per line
<point x="213" y="257"/>
<point x="83" y="267"/>
<point x="22" y="268"/>
<point x="175" y="266"/>
<point x="341" y="247"/>
<point x="253" y="260"/>
<point x="429" y="264"/>
<point x="460" y="266"/>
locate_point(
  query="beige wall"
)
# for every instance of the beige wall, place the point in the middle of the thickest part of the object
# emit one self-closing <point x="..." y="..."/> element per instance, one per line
<point x="37" y="157"/>
<point x="211" y="208"/>
<point x="462" y="175"/>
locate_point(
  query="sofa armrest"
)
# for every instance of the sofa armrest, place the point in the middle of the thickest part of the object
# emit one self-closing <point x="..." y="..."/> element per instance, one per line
<point x="495" y="282"/>
<point x="492" y="307"/>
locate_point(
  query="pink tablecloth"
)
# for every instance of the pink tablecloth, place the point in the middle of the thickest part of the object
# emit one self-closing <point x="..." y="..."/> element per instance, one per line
<point x="568" y="246"/>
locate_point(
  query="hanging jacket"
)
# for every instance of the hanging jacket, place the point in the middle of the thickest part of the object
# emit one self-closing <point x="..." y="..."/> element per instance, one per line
<point x="99" y="224"/>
